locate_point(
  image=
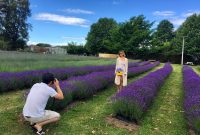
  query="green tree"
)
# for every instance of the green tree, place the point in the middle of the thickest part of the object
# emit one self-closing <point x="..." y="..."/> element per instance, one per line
<point x="161" y="47"/>
<point x="133" y="35"/>
<point x="191" y="29"/>
<point x="13" y="22"/>
<point x="113" y="43"/>
<point x="3" y="44"/>
<point x="74" y="48"/>
<point x="99" y="35"/>
<point x="164" y="33"/>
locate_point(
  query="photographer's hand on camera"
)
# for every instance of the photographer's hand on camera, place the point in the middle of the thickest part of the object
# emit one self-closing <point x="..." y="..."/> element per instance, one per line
<point x="59" y="91"/>
<point x="56" y="83"/>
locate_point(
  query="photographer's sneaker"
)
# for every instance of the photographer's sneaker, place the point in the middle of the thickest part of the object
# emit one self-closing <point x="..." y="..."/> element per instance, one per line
<point x="41" y="132"/>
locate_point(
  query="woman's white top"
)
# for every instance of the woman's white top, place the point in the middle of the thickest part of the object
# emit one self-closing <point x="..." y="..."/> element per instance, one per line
<point x="123" y="64"/>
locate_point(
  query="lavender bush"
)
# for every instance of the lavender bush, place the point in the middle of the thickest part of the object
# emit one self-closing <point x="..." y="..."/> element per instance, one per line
<point x="135" y="99"/>
<point x="20" y="80"/>
<point x="191" y="83"/>
<point x="82" y="87"/>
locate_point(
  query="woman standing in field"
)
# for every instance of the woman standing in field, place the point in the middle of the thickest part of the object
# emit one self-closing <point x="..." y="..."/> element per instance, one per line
<point x="121" y="71"/>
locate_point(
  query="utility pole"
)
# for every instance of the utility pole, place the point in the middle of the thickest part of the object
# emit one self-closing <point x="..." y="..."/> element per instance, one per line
<point x="183" y="50"/>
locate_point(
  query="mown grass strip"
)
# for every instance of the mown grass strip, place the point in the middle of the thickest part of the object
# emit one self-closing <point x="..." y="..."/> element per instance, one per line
<point x="196" y="69"/>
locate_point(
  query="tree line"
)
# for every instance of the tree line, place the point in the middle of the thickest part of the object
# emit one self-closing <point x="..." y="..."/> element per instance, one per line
<point x="139" y="40"/>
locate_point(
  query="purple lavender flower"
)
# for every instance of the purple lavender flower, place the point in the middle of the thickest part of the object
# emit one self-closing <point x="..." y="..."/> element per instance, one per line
<point x="191" y="83"/>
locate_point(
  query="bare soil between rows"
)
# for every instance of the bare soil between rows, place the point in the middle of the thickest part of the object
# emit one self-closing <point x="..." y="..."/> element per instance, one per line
<point x="120" y="123"/>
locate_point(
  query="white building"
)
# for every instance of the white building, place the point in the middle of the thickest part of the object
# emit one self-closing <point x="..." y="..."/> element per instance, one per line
<point x="56" y="50"/>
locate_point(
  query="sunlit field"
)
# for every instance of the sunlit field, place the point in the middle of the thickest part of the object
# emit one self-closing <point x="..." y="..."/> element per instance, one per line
<point x="17" y="61"/>
<point x="86" y="113"/>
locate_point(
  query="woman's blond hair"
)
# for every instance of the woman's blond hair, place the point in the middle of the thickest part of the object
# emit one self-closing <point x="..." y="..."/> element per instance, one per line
<point x="122" y="51"/>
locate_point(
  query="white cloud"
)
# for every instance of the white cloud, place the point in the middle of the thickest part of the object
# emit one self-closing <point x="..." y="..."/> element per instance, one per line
<point x="190" y="12"/>
<point x="31" y="43"/>
<point x="77" y="11"/>
<point x="164" y="13"/>
<point x="177" y="21"/>
<point x="62" y="19"/>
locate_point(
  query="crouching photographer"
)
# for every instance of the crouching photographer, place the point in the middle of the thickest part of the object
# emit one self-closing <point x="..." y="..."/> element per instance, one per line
<point x="34" y="108"/>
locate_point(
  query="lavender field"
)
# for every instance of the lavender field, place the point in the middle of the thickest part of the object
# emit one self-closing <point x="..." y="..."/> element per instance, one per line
<point x="157" y="98"/>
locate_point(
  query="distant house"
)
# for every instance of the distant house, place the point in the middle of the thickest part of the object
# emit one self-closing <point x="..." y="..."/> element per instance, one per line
<point x="56" y="50"/>
<point x="47" y="50"/>
<point x="37" y="49"/>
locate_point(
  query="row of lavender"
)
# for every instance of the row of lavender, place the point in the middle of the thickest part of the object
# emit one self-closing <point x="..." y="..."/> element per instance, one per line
<point x="134" y="100"/>
<point x="82" y="87"/>
<point x="20" y="80"/>
<point x="191" y="83"/>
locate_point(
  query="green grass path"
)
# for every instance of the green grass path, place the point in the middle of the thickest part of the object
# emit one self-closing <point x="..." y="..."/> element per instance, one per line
<point x="196" y="69"/>
<point x="166" y="116"/>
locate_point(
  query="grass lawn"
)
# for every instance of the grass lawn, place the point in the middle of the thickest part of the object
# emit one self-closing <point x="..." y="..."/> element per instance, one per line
<point x="165" y="117"/>
<point x="17" y="61"/>
<point x="198" y="67"/>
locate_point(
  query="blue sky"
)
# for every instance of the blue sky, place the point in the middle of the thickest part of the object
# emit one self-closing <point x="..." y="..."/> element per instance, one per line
<point x="58" y="22"/>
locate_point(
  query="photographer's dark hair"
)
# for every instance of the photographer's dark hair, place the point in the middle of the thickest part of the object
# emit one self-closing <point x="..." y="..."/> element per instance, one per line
<point x="47" y="78"/>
